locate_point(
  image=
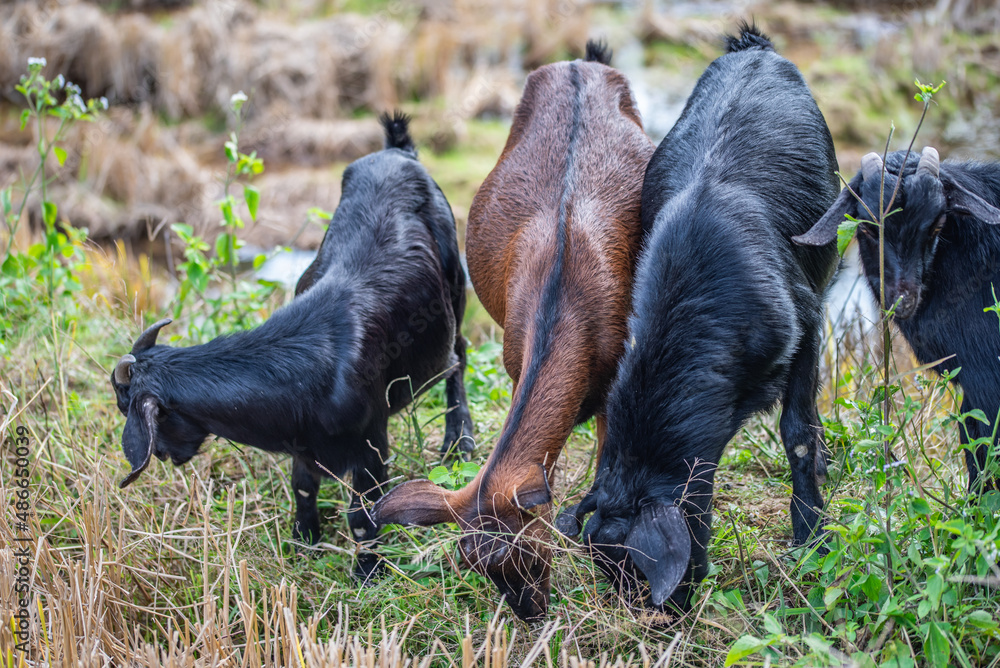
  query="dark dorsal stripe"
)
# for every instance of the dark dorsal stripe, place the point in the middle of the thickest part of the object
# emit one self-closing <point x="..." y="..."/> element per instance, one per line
<point x="547" y="316"/>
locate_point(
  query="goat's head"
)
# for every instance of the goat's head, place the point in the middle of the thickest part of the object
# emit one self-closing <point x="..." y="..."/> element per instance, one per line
<point x="505" y="533"/>
<point x="631" y="542"/>
<point x="150" y="427"/>
<point x="925" y="201"/>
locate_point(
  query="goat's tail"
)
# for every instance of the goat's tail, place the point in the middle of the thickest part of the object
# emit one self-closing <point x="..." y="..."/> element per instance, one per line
<point x="397" y="131"/>
<point x="598" y="52"/>
<point x="750" y="37"/>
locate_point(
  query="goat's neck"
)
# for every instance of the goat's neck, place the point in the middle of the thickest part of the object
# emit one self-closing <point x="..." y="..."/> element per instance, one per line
<point x="288" y="353"/>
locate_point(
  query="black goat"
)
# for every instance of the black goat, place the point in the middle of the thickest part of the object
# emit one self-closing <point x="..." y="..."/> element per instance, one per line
<point x="942" y="262"/>
<point x="383" y="301"/>
<point x="727" y="313"/>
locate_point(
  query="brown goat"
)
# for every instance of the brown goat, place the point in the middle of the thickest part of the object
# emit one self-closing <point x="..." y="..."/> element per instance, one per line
<point x="552" y="242"/>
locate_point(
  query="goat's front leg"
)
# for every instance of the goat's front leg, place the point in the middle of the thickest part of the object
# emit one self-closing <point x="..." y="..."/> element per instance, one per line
<point x="367" y="481"/>
<point x="802" y="435"/>
<point x="458" y="421"/>
<point x="305" y="484"/>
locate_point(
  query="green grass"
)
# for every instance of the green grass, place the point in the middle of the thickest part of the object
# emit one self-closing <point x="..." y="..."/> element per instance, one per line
<point x="218" y="528"/>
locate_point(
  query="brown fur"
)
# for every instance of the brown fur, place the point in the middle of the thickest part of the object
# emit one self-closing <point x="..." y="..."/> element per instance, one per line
<point x="513" y="243"/>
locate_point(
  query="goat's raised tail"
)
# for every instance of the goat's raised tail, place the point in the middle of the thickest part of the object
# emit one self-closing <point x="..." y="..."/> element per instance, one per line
<point x="750" y="37"/>
<point x="598" y="51"/>
<point x="397" y="131"/>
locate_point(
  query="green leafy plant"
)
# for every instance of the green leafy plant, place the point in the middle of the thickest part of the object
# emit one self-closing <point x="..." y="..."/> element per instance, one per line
<point x="455" y="477"/>
<point x="48" y="270"/>
<point x="201" y="270"/>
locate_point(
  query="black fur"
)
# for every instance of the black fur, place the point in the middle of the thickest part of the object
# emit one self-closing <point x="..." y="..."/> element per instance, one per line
<point x="942" y="260"/>
<point x="727" y="315"/>
<point x="397" y="131"/>
<point x="598" y="52"/>
<point x="750" y="37"/>
<point x="383" y="301"/>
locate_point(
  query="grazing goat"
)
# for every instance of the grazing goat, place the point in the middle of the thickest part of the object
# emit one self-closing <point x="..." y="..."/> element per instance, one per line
<point x="383" y="301"/>
<point x="727" y="316"/>
<point x="553" y="238"/>
<point x="942" y="263"/>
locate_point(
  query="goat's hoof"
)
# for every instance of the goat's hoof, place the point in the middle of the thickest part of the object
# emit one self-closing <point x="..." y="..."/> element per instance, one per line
<point x="568" y="523"/>
<point x="458" y="445"/>
<point x="368" y="568"/>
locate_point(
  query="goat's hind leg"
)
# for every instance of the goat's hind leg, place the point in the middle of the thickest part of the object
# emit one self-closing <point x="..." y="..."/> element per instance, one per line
<point x="305" y="483"/>
<point x="802" y="435"/>
<point x="367" y="481"/>
<point x="458" y="436"/>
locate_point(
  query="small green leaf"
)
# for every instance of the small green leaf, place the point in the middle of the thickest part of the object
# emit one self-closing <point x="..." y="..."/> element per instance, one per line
<point x="831" y="596"/>
<point x="197" y="276"/>
<point x="183" y="230"/>
<point x="320" y="213"/>
<point x="845" y="232"/>
<point x="5" y="201"/>
<point x="772" y="626"/>
<point x="252" y="197"/>
<point x="50" y="213"/>
<point x="259" y="260"/>
<point x="935" y="587"/>
<point x="439" y="475"/>
<point x="231" y="154"/>
<point x="977" y="414"/>
<point x="919" y="506"/>
<point x="226" y="206"/>
<point x="923" y="608"/>
<point x="872" y="587"/>
<point x="936" y="646"/>
<point x="982" y="619"/>
<point x="25" y="115"/>
<point x="222" y="249"/>
<point x="743" y="648"/>
<point x="60" y="154"/>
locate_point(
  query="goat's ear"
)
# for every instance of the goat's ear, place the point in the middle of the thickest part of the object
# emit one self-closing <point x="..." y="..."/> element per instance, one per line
<point x="139" y="435"/>
<point x="825" y="229"/>
<point x="534" y="490"/>
<point x="416" y="503"/>
<point x="660" y="546"/>
<point x="968" y="203"/>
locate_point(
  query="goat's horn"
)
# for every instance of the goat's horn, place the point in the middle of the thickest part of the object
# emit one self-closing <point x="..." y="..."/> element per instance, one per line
<point x="871" y="166"/>
<point x="148" y="338"/>
<point x="123" y="371"/>
<point x="929" y="163"/>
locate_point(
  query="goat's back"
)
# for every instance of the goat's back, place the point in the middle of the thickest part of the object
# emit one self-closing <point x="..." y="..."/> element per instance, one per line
<point x="751" y="125"/>
<point x="390" y="248"/>
<point x="564" y="197"/>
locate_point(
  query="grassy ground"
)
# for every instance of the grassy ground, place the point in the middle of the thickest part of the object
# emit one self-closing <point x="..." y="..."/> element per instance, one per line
<point x="194" y="564"/>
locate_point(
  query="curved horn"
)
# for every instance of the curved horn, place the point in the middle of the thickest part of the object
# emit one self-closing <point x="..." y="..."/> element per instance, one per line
<point x="148" y="338"/>
<point x="929" y="163"/>
<point x="871" y="166"/>
<point x="123" y="370"/>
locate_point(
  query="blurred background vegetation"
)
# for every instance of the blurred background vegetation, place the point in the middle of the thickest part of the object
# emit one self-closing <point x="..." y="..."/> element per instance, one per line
<point x="317" y="72"/>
